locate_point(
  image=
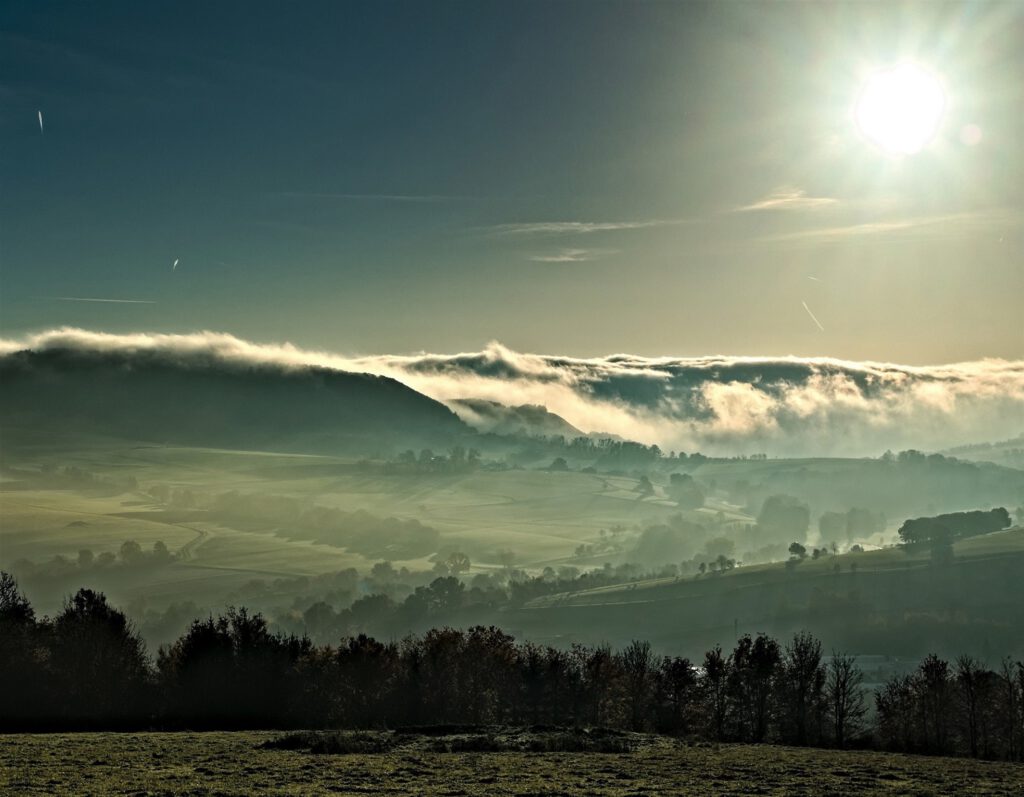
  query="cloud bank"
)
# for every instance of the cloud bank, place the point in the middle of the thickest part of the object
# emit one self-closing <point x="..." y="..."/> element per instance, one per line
<point x="716" y="404"/>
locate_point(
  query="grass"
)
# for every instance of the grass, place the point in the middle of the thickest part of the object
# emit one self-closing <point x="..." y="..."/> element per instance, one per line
<point x="444" y="739"/>
<point x="241" y="764"/>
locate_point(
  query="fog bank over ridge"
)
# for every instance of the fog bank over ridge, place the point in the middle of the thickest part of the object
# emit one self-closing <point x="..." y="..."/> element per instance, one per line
<point x="715" y="404"/>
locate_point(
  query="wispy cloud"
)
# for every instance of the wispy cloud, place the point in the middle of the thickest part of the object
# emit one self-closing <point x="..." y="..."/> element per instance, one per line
<point x="944" y="225"/>
<point x="109" y="301"/>
<point x="790" y="198"/>
<point x="581" y="227"/>
<point x="572" y="255"/>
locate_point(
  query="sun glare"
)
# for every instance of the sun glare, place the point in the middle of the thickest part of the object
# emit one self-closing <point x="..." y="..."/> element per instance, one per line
<point x="899" y="109"/>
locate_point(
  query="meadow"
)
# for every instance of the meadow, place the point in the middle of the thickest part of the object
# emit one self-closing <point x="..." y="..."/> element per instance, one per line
<point x="533" y="518"/>
<point x="258" y="529"/>
<point x="238" y="764"/>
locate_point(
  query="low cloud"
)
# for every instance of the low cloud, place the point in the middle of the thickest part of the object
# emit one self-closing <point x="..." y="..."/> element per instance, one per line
<point x="716" y="404"/>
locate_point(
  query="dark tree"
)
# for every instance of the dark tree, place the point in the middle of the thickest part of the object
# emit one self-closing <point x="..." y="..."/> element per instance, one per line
<point x="639" y="666"/>
<point x="844" y="696"/>
<point x="801" y="691"/>
<point x="675" y="695"/>
<point x="21" y="697"/>
<point x="755" y="665"/>
<point x="98" y="663"/>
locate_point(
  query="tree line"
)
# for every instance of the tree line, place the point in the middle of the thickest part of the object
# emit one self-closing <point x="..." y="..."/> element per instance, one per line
<point x="87" y="668"/>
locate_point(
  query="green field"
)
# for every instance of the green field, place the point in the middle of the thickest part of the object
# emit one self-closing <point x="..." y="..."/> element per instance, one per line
<point x="534" y="517"/>
<point x="234" y="764"/>
<point x="194" y="500"/>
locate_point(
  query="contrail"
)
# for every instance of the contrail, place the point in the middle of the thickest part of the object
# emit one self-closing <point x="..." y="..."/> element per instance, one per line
<point x="175" y="266"/>
<point x="40" y="121"/>
<point x="813" y="278"/>
<point x="815" y="320"/>
<point x="112" y="301"/>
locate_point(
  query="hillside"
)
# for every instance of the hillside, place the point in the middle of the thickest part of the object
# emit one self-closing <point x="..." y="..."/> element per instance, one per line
<point x="887" y="601"/>
<point x="908" y="485"/>
<point x="525" y="419"/>
<point x="199" y="400"/>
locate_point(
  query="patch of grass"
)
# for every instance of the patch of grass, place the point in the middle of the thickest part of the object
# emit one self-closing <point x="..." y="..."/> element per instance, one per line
<point x="333" y="742"/>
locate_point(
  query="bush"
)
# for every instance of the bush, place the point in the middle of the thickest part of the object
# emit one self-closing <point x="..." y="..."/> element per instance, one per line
<point x="333" y="743"/>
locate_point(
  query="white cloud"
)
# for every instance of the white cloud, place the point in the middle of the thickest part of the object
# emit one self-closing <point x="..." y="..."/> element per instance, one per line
<point x="571" y="255"/>
<point x="715" y="404"/>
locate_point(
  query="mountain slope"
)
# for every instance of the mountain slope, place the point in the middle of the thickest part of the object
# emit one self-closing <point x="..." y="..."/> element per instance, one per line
<point x="525" y="419"/>
<point x="208" y="401"/>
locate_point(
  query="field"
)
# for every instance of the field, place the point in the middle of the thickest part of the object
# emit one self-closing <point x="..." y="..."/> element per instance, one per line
<point x="235" y="764"/>
<point x="94" y="493"/>
<point x="533" y="516"/>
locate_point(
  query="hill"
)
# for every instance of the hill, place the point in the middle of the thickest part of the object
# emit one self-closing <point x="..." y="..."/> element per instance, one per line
<point x="212" y="402"/>
<point x="893" y="601"/>
<point x="526" y="419"/>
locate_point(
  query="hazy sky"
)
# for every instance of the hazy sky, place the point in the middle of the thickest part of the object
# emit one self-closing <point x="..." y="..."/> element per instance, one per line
<point x="582" y="178"/>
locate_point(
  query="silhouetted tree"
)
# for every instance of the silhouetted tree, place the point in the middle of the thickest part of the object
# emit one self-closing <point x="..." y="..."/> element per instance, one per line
<point x="755" y="664"/>
<point x="801" y="690"/>
<point x="98" y="663"/>
<point x="675" y="695"/>
<point x="639" y="666"/>
<point x="845" y="698"/>
<point x="21" y="697"/>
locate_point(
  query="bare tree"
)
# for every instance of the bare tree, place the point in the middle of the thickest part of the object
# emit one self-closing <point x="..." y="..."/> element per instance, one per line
<point x="1008" y="703"/>
<point x="800" y="689"/>
<point x="716" y="684"/>
<point x="969" y="675"/>
<point x="845" y="697"/>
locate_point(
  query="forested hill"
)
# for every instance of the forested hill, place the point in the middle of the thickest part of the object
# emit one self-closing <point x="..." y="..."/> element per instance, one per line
<point x="199" y="400"/>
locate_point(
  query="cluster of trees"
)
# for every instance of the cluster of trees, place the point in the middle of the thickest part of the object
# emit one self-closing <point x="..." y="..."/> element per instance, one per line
<point x="939" y="533"/>
<point x="60" y="568"/>
<point x="684" y="490"/>
<point x="73" y="477"/>
<point x="953" y="526"/>
<point x="963" y="707"/>
<point x="458" y="460"/>
<point x="88" y="668"/>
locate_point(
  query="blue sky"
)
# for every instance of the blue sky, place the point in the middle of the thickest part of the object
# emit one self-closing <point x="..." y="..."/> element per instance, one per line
<point x="591" y="177"/>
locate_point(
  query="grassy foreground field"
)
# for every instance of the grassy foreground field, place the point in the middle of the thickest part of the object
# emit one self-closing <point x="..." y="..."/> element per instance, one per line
<point x="235" y="764"/>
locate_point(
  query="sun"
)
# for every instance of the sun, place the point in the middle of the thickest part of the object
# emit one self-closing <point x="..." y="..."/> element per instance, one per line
<point x="900" y="108"/>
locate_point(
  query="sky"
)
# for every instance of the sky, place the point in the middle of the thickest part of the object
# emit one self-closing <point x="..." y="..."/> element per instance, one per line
<point x="578" y="178"/>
